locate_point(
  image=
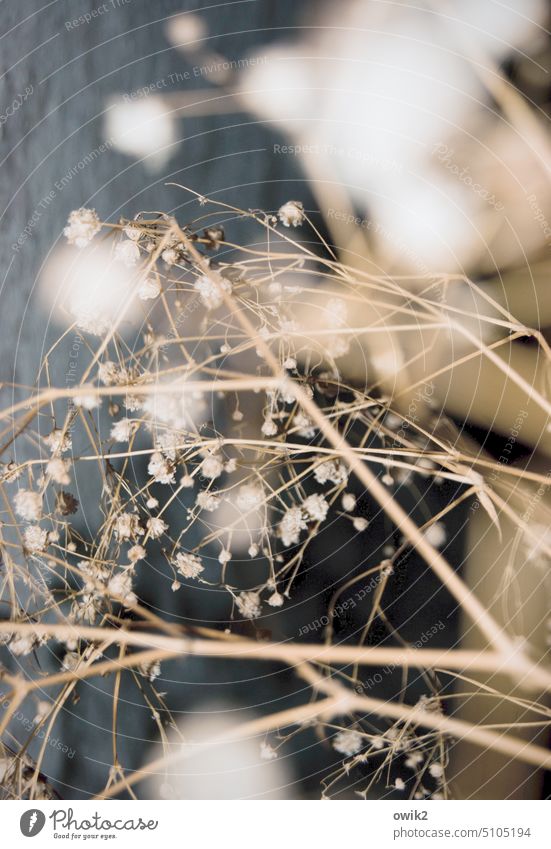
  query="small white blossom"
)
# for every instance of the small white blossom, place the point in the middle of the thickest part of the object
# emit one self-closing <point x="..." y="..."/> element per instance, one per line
<point x="276" y="600"/>
<point x="127" y="525"/>
<point x="414" y="760"/>
<point x="269" y="427"/>
<point x="249" y="605"/>
<point x="211" y="290"/>
<point x="108" y="373"/>
<point x="120" y="586"/>
<point x="291" y="214"/>
<point x="170" y="256"/>
<point x="348" y="502"/>
<point x="305" y="425"/>
<point x="331" y="470"/>
<point x="22" y="644"/>
<point x="160" y="468"/>
<point x="137" y="552"/>
<point x="28" y="505"/>
<point x="212" y="467"/>
<point x="150" y="670"/>
<point x="82" y="226"/>
<point x="121" y="431"/>
<point x="316" y="507"/>
<point x="266" y="752"/>
<point x="132" y="232"/>
<point x="224" y="556"/>
<point x="291" y="525"/>
<point x="36" y="539"/>
<point x="87" y="402"/>
<point x="42" y="711"/>
<point x="127" y="252"/>
<point x="189" y="565"/>
<point x="399" y="784"/>
<point x="149" y="289"/>
<point x="348" y="742"/>
<point x="208" y="501"/>
<point x="58" y="441"/>
<point x="436" y="770"/>
<point x="156" y="527"/>
<point x="436" y="534"/>
<point x="58" y="470"/>
<point x="360" y="524"/>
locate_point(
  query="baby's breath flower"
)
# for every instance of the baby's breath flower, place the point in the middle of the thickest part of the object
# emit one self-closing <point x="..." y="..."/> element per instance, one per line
<point x="132" y="232"/>
<point x="399" y="784"/>
<point x="170" y="256"/>
<point x="35" y="538"/>
<point x="305" y="425"/>
<point x="360" y="524"/>
<point x="150" y="670"/>
<point x="160" y="468"/>
<point x="269" y="427"/>
<point x="333" y="471"/>
<point x="127" y="252"/>
<point x="58" y="441"/>
<point x="211" y="289"/>
<point x="149" y="289"/>
<point x="127" y="526"/>
<point x="208" y="501"/>
<point x="348" y="502"/>
<point x="108" y="373"/>
<point x="137" y="552"/>
<point x="291" y="525"/>
<point x="224" y="556"/>
<point x="348" y="742"/>
<point x="121" y="431"/>
<point x="436" y="770"/>
<point x="22" y="644"/>
<point x="436" y="534"/>
<point x="248" y="604"/>
<point x="267" y="753"/>
<point x="28" y="505"/>
<point x="82" y="226"/>
<point x="291" y="214"/>
<point x="58" y="470"/>
<point x="316" y="507"/>
<point x="120" y="586"/>
<point x="87" y="401"/>
<point x="156" y="527"/>
<point x="275" y="600"/>
<point x="413" y="760"/>
<point x="212" y="467"/>
<point x="189" y="565"/>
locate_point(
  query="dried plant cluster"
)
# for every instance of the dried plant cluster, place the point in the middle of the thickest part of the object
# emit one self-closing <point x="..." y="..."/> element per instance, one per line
<point x="220" y="435"/>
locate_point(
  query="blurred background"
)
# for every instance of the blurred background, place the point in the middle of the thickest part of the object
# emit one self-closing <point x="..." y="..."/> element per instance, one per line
<point x="416" y="136"/>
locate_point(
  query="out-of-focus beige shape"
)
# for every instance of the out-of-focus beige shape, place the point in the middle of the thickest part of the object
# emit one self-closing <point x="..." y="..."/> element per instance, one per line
<point x="511" y="579"/>
<point x="213" y="766"/>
